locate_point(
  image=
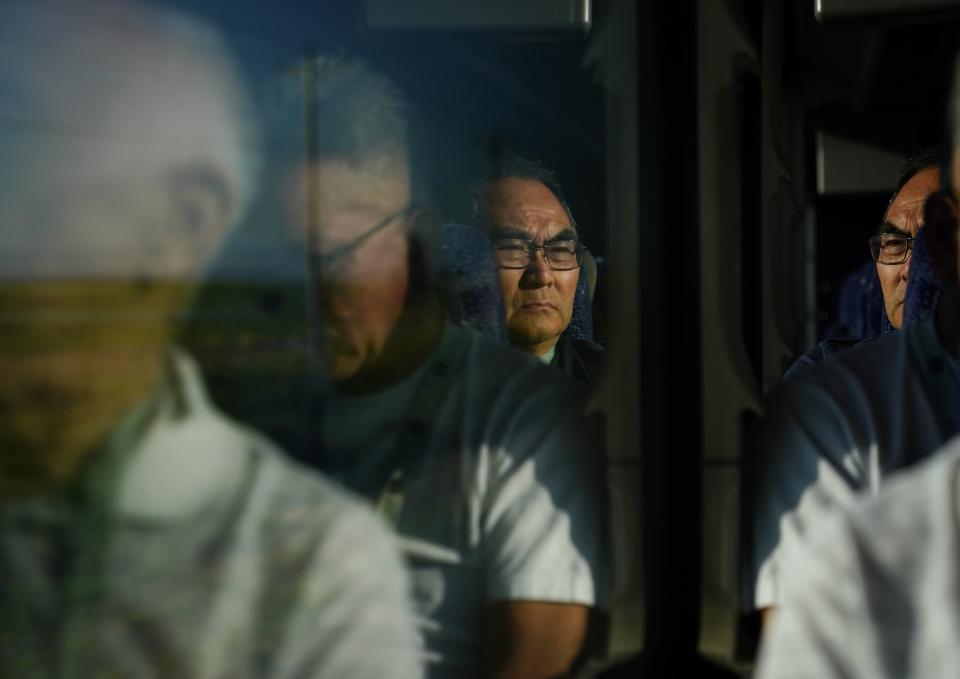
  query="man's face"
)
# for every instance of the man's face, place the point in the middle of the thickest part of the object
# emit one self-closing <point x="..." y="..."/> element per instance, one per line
<point x="538" y="300"/>
<point x="90" y="284"/>
<point x="361" y="291"/>
<point x="104" y="230"/>
<point x="904" y="217"/>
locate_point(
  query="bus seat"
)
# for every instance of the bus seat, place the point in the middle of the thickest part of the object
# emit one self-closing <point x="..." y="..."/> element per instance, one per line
<point x="860" y="312"/>
<point x="581" y="321"/>
<point x="468" y="281"/>
<point x="924" y="286"/>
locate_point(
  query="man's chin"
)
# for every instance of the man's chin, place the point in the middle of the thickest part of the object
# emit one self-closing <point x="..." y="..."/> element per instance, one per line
<point x="342" y="366"/>
<point x="527" y="334"/>
<point x="896" y="316"/>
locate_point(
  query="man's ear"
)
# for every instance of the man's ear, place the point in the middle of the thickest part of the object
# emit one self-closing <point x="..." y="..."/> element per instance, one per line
<point x="200" y="210"/>
<point x="940" y="224"/>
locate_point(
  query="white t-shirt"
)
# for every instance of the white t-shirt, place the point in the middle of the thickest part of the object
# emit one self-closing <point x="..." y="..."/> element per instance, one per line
<point x="835" y="430"/>
<point x="877" y="592"/>
<point x="495" y="495"/>
<point x="193" y="549"/>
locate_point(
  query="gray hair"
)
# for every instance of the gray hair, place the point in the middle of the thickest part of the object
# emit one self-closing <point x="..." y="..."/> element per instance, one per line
<point x="357" y="115"/>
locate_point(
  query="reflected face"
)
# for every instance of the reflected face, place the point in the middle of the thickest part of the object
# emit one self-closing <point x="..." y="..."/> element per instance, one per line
<point x="74" y="356"/>
<point x="362" y="279"/>
<point x="105" y="228"/>
<point x="538" y="300"/>
<point x="90" y="285"/>
<point x="904" y="217"/>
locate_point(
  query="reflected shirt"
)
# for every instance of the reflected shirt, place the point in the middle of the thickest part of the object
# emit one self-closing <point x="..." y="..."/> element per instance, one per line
<point x="193" y="548"/>
<point x="495" y="497"/>
<point x="877" y="592"/>
<point x="838" y="429"/>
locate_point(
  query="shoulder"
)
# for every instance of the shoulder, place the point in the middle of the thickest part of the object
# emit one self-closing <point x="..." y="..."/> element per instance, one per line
<point x="877" y="396"/>
<point x="583" y="347"/>
<point x="850" y="388"/>
<point x="579" y="358"/>
<point x="837" y="424"/>
<point x="236" y="468"/>
<point x="837" y="368"/>
<point x="819" y="353"/>
<point x="304" y="501"/>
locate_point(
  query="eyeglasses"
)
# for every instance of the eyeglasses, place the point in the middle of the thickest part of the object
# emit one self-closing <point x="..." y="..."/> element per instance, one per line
<point x="516" y="253"/>
<point x="890" y="248"/>
<point x="340" y="252"/>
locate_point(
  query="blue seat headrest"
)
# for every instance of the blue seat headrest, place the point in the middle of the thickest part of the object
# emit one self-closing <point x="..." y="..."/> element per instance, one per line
<point x="581" y="321"/>
<point x="468" y="281"/>
<point x="860" y="311"/>
<point x="923" y="286"/>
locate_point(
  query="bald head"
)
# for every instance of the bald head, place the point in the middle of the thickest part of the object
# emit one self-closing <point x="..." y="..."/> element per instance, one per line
<point x="134" y="118"/>
<point x="124" y="157"/>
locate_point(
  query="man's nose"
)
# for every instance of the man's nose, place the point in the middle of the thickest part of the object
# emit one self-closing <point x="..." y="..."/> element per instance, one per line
<point x="538" y="273"/>
<point x="905" y="268"/>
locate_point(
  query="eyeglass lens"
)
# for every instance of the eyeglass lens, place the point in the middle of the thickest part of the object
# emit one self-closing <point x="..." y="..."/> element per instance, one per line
<point x="890" y="248"/>
<point x="515" y="253"/>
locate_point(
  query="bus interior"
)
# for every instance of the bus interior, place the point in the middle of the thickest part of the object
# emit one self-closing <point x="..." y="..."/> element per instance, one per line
<point x="726" y="161"/>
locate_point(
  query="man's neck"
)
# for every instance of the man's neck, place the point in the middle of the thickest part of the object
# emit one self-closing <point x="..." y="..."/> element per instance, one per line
<point x="415" y="337"/>
<point x="539" y="349"/>
<point x="47" y="447"/>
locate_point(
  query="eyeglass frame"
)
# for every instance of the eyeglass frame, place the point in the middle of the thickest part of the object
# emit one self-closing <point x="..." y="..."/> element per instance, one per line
<point x="532" y="248"/>
<point x="876" y="238"/>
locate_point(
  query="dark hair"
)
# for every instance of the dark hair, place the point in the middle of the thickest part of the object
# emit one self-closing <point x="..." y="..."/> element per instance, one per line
<point x="511" y="166"/>
<point x="916" y="162"/>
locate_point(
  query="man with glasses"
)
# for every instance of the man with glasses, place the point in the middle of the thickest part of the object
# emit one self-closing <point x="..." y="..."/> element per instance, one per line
<point x="476" y="454"/>
<point x="890" y="249"/>
<point x="890" y="246"/>
<point x="875" y="590"/>
<point x="522" y="208"/>
<point x="840" y="428"/>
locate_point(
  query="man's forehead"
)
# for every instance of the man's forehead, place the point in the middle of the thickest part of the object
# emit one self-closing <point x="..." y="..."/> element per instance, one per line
<point x="338" y="187"/>
<point x="526" y="205"/>
<point x="906" y="210"/>
<point x="341" y="182"/>
<point x="346" y="199"/>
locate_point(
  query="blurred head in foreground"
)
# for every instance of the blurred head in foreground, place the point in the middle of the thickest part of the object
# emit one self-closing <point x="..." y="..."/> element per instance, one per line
<point x="124" y="159"/>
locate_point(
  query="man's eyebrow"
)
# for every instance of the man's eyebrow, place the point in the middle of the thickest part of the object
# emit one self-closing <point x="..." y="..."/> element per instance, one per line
<point x="508" y="231"/>
<point x="889" y="227"/>
<point x="566" y="234"/>
<point x="498" y="232"/>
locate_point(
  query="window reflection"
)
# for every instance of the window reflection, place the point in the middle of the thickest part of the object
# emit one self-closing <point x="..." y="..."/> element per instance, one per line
<point x="219" y="256"/>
